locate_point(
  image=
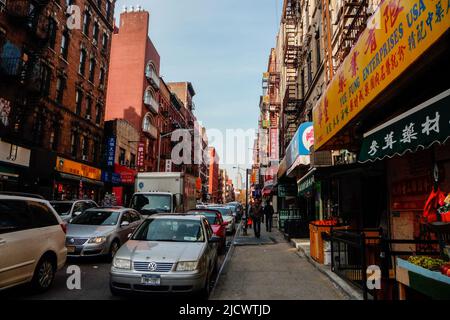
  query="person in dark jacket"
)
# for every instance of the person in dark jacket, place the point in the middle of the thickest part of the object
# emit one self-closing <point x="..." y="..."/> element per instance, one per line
<point x="268" y="212"/>
<point x="256" y="215"/>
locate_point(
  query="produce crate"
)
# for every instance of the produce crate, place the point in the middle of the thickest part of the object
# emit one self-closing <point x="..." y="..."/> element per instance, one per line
<point x="430" y="283"/>
<point x="317" y="242"/>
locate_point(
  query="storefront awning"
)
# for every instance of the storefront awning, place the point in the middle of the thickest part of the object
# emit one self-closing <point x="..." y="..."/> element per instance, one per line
<point x="305" y="184"/>
<point x="282" y="168"/>
<point x="301" y="160"/>
<point x="419" y="128"/>
<point x="77" y="178"/>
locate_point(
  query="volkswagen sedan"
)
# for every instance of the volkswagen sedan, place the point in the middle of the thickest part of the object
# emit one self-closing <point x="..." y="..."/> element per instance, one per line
<point x="167" y="253"/>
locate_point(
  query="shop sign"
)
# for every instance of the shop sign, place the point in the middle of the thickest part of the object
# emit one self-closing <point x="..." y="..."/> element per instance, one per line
<point x="420" y="127"/>
<point x="140" y="155"/>
<point x="287" y="190"/>
<point x="168" y="165"/>
<point x="397" y="34"/>
<point x="110" y="151"/>
<point x="78" y="169"/>
<point x="127" y="175"/>
<point x="305" y="186"/>
<point x="111" y="177"/>
<point x="13" y="154"/>
<point x="274" y="144"/>
<point x="300" y="143"/>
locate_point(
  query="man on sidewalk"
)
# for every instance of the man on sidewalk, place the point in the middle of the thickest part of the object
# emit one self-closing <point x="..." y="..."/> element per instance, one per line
<point x="256" y="215"/>
<point x="268" y="212"/>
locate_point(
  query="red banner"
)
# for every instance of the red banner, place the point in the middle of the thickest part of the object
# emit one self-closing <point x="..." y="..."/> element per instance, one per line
<point x="140" y="155"/>
<point x="127" y="175"/>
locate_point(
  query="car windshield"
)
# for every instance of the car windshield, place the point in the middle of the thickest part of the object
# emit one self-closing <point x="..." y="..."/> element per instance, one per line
<point x="173" y="230"/>
<point x="97" y="218"/>
<point x="210" y="216"/>
<point x="63" y="208"/>
<point x="225" y="211"/>
<point x="151" y="203"/>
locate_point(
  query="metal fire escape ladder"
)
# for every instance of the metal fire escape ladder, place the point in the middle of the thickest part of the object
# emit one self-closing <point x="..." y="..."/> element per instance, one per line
<point x="292" y="50"/>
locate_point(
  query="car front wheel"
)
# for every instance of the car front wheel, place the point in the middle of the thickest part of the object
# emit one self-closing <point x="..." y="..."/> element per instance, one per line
<point x="113" y="249"/>
<point x="44" y="274"/>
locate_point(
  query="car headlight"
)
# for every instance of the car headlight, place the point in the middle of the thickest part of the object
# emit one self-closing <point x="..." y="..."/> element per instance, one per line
<point x="187" y="265"/>
<point x="122" y="263"/>
<point x="97" y="240"/>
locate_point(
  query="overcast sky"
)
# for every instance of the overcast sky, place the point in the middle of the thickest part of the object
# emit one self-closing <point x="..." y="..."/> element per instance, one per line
<point x="222" y="47"/>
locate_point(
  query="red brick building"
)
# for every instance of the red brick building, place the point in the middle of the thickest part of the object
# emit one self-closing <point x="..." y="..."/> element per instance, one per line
<point x="134" y="83"/>
<point x="52" y="96"/>
<point x="213" y="182"/>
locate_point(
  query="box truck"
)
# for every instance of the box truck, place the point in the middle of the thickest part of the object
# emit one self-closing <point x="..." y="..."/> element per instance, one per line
<point x="159" y="192"/>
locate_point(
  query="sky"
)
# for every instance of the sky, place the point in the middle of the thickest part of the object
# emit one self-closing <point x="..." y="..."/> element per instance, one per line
<point x="222" y="47"/>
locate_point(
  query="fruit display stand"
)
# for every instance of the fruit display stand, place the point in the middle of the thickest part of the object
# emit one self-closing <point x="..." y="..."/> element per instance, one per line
<point x="317" y="241"/>
<point x="430" y="283"/>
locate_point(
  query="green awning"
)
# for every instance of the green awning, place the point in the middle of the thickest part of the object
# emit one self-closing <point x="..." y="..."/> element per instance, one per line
<point x="418" y="128"/>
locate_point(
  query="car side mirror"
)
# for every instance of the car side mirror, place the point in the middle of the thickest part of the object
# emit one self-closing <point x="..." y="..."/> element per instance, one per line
<point x="77" y="213"/>
<point x="129" y="235"/>
<point x="124" y="224"/>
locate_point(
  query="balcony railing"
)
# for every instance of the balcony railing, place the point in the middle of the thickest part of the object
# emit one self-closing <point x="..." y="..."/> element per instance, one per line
<point x="13" y="67"/>
<point x="151" y="102"/>
<point x="152" y="77"/>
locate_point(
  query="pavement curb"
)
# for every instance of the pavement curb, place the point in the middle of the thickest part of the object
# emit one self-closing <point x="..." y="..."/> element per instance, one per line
<point x="339" y="283"/>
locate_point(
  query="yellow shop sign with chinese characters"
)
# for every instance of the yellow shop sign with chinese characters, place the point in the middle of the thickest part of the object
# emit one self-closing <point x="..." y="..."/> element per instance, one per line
<point x="395" y="36"/>
<point x="77" y="169"/>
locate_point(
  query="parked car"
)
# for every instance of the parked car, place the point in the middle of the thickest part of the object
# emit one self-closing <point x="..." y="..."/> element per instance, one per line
<point x="217" y="224"/>
<point x="239" y="209"/>
<point x="71" y="208"/>
<point x="227" y="215"/>
<point x="100" y="231"/>
<point x="32" y="242"/>
<point x="167" y="253"/>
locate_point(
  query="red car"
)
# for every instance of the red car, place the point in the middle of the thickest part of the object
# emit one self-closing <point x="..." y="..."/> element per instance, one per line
<point x="218" y="226"/>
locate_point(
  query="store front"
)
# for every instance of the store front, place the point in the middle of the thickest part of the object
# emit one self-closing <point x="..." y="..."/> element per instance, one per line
<point x="125" y="190"/>
<point x="74" y="180"/>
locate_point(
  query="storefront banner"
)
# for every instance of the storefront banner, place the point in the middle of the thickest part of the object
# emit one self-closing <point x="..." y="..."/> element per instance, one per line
<point x="306" y="183"/>
<point x="78" y="169"/>
<point x="127" y="175"/>
<point x="111" y="177"/>
<point x="14" y="154"/>
<point x="110" y="151"/>
<point x="274" y="144"/>
<point x="420" y="127"/>
<point x="300" y="144"/>
<point x="397" y="34"/>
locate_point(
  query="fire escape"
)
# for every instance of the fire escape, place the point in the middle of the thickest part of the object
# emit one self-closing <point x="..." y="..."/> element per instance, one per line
<point x="25" y="69"/>
<point x="340" y="35"/>
<point x="292" y="101"/>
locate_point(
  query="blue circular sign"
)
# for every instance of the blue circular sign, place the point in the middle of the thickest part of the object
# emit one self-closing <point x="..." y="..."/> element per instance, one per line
<point x="141" y="185"/>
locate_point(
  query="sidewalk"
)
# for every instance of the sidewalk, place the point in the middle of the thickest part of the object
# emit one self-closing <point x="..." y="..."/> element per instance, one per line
<point x="270" y="268"/>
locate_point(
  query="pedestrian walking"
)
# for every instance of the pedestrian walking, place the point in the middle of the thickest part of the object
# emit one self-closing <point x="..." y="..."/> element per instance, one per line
<point x="268" y="213"/>
<point x="256" y="214"/>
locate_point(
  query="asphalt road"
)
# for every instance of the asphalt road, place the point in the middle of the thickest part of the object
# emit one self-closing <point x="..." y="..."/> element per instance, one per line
<point x="94" y="282"/>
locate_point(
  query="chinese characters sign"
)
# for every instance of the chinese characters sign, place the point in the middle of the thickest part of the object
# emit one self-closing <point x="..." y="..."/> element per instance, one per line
<point x="396" y="35"/>
<point x="140" y="156"/>
<point x="419" y="127"/>
<point x="77" y="169"/>
<point x="110" y="151"/>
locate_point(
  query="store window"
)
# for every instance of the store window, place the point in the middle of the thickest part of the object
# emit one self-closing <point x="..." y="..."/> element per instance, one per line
<point x="121" y="156"/>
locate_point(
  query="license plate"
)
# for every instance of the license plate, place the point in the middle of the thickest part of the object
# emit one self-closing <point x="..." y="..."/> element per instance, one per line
<point x="70" y="249"/>
<point x="151" y="280"/>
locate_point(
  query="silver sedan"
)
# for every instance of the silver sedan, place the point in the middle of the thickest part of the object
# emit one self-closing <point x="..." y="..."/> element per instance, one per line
<point x="100" y="231"/>
<point x="167" y="253"/>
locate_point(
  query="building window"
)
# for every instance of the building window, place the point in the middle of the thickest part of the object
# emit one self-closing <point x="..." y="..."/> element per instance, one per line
<point x="101" y="80"/>
<point x="74" y="145"/>
<point x="318" y="51"/>
<point x="52" y="31"/>
<point x="92" y="69"/>
<point x="132" y="160"/>
<point x="53" y="139"/>
<point x="108" y="9"/>
<point x="86" y="23"/>
<point x="82" y="62"/>
<point x="98" y="114"/>
<point x="309" y="66"/>
<point x="95" y="151"/>
<point x="121" y="156"/>
<point x="45" y="80"/>
<point x="78" y="101"/>
<point x="60" y="84"/>
<point x="88" y="108"/>
<point x="104" y="42"/>
<point x="95" y="33"/>
<point x="65" y="44"/>
<point x="84" y="148"/>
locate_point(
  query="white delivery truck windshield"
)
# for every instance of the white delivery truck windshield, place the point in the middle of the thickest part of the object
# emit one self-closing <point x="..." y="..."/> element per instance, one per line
<point x="150" y="203"/>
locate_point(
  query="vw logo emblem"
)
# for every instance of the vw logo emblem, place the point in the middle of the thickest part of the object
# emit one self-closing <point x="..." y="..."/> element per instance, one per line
<point x="72" y="240"/>
<point x="152" y="266"/>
